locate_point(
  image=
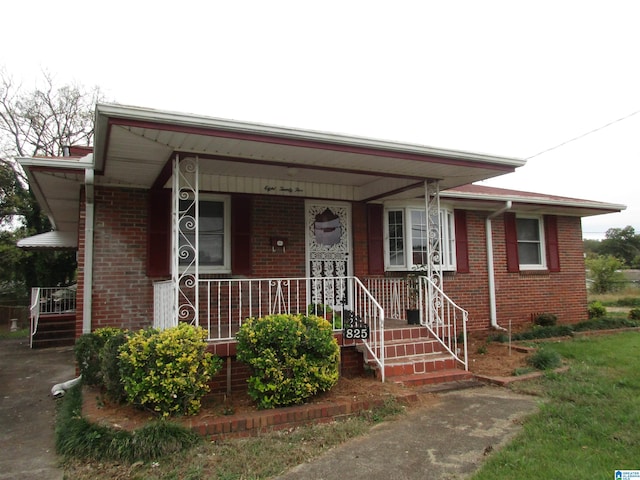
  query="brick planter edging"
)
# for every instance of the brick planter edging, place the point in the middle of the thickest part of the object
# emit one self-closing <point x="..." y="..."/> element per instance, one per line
<point x="254" y="423"/>
<point x="504" y="381"/>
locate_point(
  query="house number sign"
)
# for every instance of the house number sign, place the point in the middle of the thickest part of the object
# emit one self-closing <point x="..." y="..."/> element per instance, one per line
<point x="356" y="333"/>
<point x="354" y="327"/>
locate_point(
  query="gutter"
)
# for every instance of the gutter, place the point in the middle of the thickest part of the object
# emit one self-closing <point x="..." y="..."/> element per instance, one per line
<point x="88" y="251"/>
<point x="490" y="269"/>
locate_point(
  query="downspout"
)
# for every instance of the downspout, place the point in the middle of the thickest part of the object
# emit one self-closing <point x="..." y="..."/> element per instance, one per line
<point x="88" y="251"/>
<point x="490" y="270"/>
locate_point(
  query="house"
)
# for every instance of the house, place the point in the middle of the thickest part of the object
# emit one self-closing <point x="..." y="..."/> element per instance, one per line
<point x="179" y="217"/>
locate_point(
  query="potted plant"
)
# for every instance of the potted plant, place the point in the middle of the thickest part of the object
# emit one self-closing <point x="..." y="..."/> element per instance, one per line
<point x="413" y="290"/>
<point x="321" y="310"/>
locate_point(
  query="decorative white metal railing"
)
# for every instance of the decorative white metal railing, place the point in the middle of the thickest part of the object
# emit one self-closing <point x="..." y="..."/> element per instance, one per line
<point x="224" y="304"/>
<point x="446" y="321"/>
<point x="50" y="301"/>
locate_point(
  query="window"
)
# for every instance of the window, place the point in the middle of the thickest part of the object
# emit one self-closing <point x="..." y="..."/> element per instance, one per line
<point x="214" y="234"/>
<point x="530" y="242"/>
<point x="407" y="238"/>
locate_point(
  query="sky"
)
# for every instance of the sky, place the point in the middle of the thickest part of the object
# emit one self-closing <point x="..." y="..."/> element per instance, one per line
<point x="554" y="82"/>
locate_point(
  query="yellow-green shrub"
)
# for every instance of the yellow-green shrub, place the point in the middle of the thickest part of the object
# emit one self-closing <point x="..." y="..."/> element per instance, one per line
<point x="292" y="358"/>
<point x="168" y="371"/>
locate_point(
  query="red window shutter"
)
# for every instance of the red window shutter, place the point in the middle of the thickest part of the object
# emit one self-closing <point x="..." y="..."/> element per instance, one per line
<point x="551" y="239"/>
<point x="462" y="241"/>
<point x="511" y="240"/>
<point x="159" y="233"/>
<point x="241" y="234"/>
<point x="375" y="236"/>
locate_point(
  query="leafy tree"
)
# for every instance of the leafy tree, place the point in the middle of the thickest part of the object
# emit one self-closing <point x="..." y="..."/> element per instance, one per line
<point x="622" y="243"/>
<point x="604" y="272"/>
<point x="38" y="122"/>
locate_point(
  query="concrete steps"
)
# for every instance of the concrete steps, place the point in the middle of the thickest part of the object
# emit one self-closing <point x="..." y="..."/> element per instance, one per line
<point x="414" y="358"/>
<point x="56" y="330"/>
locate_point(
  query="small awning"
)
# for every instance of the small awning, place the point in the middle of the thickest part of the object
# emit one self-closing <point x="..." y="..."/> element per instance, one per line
<point x="50" y="240"/>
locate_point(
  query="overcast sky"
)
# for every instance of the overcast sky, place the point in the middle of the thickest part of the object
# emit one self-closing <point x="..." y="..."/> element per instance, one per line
<point x="511" y="78"/>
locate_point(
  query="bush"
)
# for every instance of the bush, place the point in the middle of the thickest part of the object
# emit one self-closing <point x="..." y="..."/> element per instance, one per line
<point x="634" y="314"/>
<point x="597" y="310"/>
<point x="77" y="437"/>
<point x="544" y="332"/>
<point x="110" y="367"/>
<point x="545" y="359"/>
<point x="168" y="371"/>
<point x="293" y="357"/>
<point x="545" y="319"/>
<point x="87" y="352"/>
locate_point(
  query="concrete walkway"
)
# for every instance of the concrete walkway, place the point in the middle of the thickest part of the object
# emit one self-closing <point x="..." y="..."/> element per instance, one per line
<point x="27" y="409"/>
<point x="448" y="440"/>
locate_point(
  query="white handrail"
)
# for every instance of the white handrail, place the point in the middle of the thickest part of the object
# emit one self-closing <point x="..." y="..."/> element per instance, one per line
<point x="445" y="319"/>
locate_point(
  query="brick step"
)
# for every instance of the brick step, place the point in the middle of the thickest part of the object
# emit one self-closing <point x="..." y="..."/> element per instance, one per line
<point x="55" y="331"/>
<point x="414" y="346"/>
<point x="415" y="364"/>
<point x="39" y="342"/>
<point x="433" y="378"/>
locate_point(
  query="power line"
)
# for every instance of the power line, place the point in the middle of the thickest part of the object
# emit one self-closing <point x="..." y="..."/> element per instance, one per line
<point x="583" y="135"/>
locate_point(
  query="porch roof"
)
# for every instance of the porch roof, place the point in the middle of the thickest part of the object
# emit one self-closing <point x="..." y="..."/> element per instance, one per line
<point x="134" y="147"/>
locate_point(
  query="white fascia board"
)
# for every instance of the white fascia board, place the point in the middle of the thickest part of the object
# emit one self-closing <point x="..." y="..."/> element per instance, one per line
<point x="57" y="162"/>
<point x="104" y="111"/>
<point x="559" y="202"/>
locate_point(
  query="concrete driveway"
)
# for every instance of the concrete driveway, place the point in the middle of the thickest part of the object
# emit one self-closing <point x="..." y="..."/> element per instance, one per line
<point x="27" y="409"/>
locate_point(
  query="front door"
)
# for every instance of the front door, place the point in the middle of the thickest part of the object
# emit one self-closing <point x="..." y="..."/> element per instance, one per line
<point x="328" y="237"/>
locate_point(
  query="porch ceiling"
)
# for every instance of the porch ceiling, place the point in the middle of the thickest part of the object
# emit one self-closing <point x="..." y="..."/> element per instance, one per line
<point x="134" y="145"/>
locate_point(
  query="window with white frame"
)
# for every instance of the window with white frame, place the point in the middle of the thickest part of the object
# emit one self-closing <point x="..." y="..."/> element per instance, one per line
<point x="530" y="242"/>
<point x="407" y="238"/>
<point x="214" y="239"/>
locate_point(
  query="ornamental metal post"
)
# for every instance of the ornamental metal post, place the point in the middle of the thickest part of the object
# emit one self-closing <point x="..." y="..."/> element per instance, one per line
<point x="434" y="248"/>
<point x="185" y="239"/>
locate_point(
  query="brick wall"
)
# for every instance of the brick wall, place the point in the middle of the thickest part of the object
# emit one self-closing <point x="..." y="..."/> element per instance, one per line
<point x="519" y="295"/>
<point x="123" y="294"/>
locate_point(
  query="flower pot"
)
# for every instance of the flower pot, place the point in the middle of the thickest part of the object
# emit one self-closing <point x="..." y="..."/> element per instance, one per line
<point x="413" y="316"/>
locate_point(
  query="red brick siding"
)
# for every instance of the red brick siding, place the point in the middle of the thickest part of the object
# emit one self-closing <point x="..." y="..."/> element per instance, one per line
<point x="122" y="292"/>
<point x="520" y="294"/>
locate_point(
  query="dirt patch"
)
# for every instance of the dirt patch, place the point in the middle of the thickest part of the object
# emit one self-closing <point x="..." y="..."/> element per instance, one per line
<point x="495" y="359"/>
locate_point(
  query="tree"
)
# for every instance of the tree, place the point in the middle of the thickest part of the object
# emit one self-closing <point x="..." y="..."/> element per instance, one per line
<point x="38" y="122"/>
<point x="604" y="272"/>
<point x="622" y="243"/>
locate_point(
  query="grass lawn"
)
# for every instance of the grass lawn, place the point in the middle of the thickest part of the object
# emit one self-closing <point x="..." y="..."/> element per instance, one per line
<point x="590" y="425"/>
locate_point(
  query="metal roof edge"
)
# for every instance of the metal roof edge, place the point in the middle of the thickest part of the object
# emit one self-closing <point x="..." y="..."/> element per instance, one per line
<point x="108" y="110"/>
<point x="560" y="201"/>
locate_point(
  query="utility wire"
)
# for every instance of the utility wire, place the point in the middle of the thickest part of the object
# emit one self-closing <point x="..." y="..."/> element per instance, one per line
<point x="583" y="135"/>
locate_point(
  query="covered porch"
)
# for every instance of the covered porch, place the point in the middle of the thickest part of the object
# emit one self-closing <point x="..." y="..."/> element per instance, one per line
<point x="371" y="314"/>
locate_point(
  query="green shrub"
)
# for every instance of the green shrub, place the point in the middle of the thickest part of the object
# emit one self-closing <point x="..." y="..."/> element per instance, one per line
<point x="292" y="358"/>
<point x="76" y="437"/>
<point x="168" y="371"/>
<point x="87" y="352"/>
<point x="545" y="319"/>
<point x="544" y="332"/>
<point x="545" y="359"/>
<point x="110" y="367"/>
<point x="604" y="323"/>
<point x="634" y="314"/>
<point x="597" y="310"/>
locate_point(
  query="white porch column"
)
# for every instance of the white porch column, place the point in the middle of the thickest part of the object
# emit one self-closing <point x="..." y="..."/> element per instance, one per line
<point x="184" y="248"/>
<point x="434" y="247"/>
